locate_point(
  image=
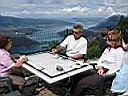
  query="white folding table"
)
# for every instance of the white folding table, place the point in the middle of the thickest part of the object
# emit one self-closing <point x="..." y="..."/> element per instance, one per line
<point x="44" y="66"/>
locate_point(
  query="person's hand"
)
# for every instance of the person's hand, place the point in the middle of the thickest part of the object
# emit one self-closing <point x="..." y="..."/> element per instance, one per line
<point x="54" y="50"/>
<point x="100" y="71"/>
<point x="23" y="59"/>
<point x="126" y="47"/>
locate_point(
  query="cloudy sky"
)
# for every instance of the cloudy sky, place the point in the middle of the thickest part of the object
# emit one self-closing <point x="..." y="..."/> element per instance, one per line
<point x="43" y="8"/>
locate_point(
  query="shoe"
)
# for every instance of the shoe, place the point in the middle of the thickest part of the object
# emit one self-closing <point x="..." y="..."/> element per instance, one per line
<point x="117" y="93"/>
<point x="109" y="92"/>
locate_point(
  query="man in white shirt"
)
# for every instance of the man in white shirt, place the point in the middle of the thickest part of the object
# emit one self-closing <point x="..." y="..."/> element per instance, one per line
<point x="75" y="44"/>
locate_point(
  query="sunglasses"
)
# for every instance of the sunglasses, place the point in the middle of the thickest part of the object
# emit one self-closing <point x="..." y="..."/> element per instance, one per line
<point x="111" y="39"/>
<point x="76" y="32"/>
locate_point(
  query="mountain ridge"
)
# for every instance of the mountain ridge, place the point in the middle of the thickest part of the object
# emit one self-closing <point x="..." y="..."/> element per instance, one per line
<point x="23" y="27"/>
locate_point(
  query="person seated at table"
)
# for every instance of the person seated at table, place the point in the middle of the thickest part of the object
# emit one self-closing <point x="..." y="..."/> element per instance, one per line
<point x="109" y="62"/>
<point x="6" y="62"/>
<point x="125" y="41"/>
<point x="119" y="84"/>
<point x="103" y="39"/>
<point x="75" y="44"/>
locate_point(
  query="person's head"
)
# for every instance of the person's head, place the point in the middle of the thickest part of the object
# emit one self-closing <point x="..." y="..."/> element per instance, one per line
<point x="113" y="34"/>
<point x="113" y="43"/>
<point x="77" y="31"/>
<point x="114" y="38"/>
<point x="104" y="33"/>
<point x="5" y="42"/>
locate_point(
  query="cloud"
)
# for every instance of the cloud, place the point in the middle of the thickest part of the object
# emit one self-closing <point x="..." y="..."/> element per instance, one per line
<point x="101" y="9"/>
<point x="75" y="9"/>
<point x="35" y="8"/>
<point x="25" y="12"/>
<point x="110" y="9"/>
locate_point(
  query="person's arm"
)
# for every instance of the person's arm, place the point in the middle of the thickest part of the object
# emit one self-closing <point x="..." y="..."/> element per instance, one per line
<point x="21" y="61"/>
<point x="100" y="65"/>
<point x="57" y="49"/>
<point x="8" y="63"/>
<point x="102" y="58"/>
<point x="61" y="46"/>
<point x="119" y="59"/>
<point x="102" y="70"/>
<point x="82" y="51"/>
<point x="78" y="56"/>
<point x="18" y="64"/>
<point x="115" y="63"/>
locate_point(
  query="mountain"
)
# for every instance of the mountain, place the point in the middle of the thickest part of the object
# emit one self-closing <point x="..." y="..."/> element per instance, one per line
<point x="7" y="20"/>
<point x="109" y="22"/>
<point x="86" y="33"/>
<point x="91" y="32"/>
<point x="28" y="33"/>
<point x="40" y="32"/>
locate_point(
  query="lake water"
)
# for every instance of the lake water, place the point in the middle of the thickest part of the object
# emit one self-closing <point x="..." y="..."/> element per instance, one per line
<point x="49" y="32"/>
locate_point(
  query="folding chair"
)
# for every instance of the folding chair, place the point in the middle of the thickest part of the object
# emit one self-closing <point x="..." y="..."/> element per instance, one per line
<point x="107" y="80"/>
<point x="6" y="81"/>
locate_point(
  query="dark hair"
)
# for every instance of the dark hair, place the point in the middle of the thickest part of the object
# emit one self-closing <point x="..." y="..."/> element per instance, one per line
<point x="108" y="29"/>
<point x="4" y="40"/>
<point x="117" y="42"/>
<point x="104" y="33"/>
<point x="76" y="26"/>
<point x="115" y="30"/>
<point x="125" y="38"/>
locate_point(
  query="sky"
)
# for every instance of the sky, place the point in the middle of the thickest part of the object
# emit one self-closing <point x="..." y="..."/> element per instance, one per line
<point x="46" y="8"/>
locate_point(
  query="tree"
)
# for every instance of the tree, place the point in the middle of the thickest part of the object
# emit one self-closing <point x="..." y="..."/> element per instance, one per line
<point x="94" y="50"/>
<point x="123" y="27"/>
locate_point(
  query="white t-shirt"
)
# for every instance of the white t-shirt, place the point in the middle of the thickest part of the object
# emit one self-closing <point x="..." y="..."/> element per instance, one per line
<point x="111" y="59"/>
<point x="75" y="47"/>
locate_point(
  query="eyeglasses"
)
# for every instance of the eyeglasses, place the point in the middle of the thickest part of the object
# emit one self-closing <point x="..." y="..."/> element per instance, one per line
<point x="111" y="40"/>
<point x="76" y="32"/>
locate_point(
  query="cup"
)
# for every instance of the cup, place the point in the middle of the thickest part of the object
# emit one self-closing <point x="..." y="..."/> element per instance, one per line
<point x="23" y="58"/>
<point x="55" y="56"/>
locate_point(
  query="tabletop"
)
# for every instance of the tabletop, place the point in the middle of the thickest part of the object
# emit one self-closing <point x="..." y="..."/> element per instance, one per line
<point x="45" y="66"/>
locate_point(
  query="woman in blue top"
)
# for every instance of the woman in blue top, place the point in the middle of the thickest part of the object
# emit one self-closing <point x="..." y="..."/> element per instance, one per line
<point x="120" y="82"/>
